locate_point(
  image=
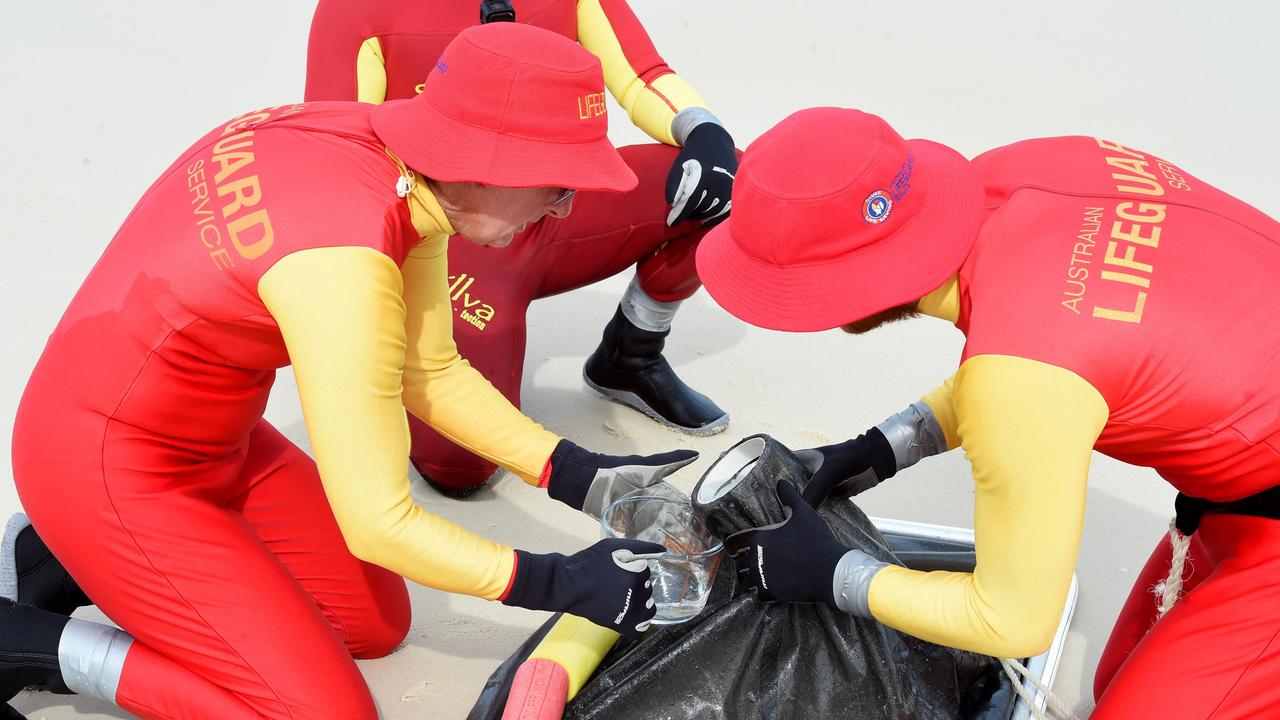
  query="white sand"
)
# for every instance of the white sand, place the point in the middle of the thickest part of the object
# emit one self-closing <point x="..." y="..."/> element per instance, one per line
<point x="100" y="97"/>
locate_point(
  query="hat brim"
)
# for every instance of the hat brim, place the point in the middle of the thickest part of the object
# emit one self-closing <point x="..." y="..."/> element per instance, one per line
<point x="442" y="148"/>
<point x="902" y="268"/>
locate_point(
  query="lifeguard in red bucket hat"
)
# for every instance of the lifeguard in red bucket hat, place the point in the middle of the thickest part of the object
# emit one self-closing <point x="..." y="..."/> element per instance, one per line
<point x="1090" y="280"/>
<point x="379" y="50"/>
<point x="245" y="577"/>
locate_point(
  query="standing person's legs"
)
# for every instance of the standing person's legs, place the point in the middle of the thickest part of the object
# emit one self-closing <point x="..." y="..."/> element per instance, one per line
<point x="217" y="625"/>
<point x="607" y="233"/>
<point x="604" y="234"/>
<point x="490" y="291"/>
<point x="1217" y="653"/>
<point x="628" y="366"/>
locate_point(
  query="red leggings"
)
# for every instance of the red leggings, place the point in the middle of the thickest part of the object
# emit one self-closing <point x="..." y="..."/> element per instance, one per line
<point x="605" y="234"/>
<point x="233" y="579"/>
<point x="1217" y="653"/>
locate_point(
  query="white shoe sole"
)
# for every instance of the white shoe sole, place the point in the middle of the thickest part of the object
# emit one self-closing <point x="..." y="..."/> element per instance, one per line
<point x="633" y="401"/>
<point x="8" y="556"/>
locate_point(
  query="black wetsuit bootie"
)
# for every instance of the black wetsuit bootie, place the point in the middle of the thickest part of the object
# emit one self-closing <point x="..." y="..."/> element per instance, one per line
<point x="628" y="368"/>
<point x="29" y="640"/>
<point x="31" y="575"/>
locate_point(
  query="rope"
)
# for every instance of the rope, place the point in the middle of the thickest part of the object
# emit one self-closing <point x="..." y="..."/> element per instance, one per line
<point x="1016" y="671"/>
<point x="1170" y="590"/>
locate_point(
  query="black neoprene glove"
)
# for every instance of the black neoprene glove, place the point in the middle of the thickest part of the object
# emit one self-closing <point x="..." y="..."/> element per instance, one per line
<point x="589" y="481"/>
<point x="848" y="468"/>
<point x="607" y="583"/>
<point x="794" y="560"/>
<point x="700" y="183"/>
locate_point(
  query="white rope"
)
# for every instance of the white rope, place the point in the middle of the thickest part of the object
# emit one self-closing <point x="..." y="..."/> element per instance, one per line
<point x="1170" y="590"/>
<point x="1016" y="671"/>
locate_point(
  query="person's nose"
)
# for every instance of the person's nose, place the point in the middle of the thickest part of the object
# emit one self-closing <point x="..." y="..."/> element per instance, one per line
<point x="562" y="210"/>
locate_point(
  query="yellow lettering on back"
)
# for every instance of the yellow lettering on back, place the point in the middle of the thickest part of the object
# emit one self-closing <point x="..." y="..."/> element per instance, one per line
<point x="254" y="248"/>
<point x="235" y="142"/>
<point x="228" y="163"/>
<point x="1145" y="186"/>
<point x="245" y="121"/>
<point x="246" y="193"/>
<point x="1137" y="167"/>
<point x="1131" y="316"/>
<point x="1108" y="145"/>
<point x="1125" y="260"/>
<point x="1147" y="212"/>
<point x="1126" y="278"/>
<point x="1134" y="234"/>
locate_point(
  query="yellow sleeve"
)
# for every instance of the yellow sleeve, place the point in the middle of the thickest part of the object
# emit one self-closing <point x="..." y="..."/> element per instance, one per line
<point x="371" y="73"/>
<point x="342" y="317"/>
<point x="442" y="388"/>
<point x="635" y="74"/>
<point x="1028" y="429"/>
<point x="940" y="402"/>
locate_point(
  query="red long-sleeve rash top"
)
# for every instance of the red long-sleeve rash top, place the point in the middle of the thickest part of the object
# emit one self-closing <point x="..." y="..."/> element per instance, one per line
<point x="1111" y="301"/>
<point x="376" y="50"/>
<point x="278" y="239"/>
<point x="1155" y="288"/>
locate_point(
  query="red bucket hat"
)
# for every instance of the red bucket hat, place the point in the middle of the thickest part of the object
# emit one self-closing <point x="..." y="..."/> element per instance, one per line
<point x="509" y="105"/>
<point x="835" y="218"/>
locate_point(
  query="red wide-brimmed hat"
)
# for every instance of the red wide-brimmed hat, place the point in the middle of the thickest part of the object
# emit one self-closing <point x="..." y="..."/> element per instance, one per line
<point x="509" y="105"/>
<point x="835" y="218"/>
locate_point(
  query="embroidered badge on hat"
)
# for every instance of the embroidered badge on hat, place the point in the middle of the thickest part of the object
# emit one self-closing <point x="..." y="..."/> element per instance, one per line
<point x="877" y="207"/>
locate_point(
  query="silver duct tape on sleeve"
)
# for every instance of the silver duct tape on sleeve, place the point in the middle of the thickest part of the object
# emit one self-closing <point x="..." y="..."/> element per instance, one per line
<point x="91" y="657"/>
<point x="689" y="118"/>
<point x="851" y="582"/>
<point x="914" y="434"/>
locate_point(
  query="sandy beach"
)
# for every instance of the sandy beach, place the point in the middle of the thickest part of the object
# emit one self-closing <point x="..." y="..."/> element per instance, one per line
<point x="100" y="97"/>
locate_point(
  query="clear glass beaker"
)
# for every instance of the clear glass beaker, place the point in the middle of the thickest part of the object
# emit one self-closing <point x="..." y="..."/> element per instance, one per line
<point x="682" y="577"/>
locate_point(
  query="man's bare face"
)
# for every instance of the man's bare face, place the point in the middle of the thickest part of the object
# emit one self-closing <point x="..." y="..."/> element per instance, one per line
<point x="884" y="317"/>
<point x="498" y="213"/>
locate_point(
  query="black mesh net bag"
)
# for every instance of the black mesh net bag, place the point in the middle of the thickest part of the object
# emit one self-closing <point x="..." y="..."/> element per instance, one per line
<point x="741" y="658"/>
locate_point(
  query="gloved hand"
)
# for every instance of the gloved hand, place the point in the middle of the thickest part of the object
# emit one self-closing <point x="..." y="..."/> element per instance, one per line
<point x="589" y="481"/>
<point x="794" y="560"/>
<point x="848" y="468"/>
<point x="700" y="183"/>
<point x="607" y="583"/>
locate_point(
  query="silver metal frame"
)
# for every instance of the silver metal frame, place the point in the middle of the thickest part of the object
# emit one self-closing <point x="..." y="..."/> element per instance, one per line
<point x="1043" y="667"/>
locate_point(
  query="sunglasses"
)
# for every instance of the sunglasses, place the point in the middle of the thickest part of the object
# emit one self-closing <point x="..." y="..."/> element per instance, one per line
<point x="565" y="196"/>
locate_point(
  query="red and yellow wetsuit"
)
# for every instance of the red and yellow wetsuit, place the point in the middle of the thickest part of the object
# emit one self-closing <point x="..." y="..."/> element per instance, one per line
<point x="375" y="50"/>
<point x="141" y="453"/>
<point x="1112" y="301"/>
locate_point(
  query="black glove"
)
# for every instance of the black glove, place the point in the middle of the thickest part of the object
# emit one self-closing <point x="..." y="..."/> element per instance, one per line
<point x="589" y="481"/>
<point x="700" y="183"/>
<point x="792" y="561"/>
<point x="848" y="468"/>
<point x="608" y="584"/>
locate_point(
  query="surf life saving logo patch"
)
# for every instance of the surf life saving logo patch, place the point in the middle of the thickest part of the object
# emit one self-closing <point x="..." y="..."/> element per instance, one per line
<point x="877" y="207"/>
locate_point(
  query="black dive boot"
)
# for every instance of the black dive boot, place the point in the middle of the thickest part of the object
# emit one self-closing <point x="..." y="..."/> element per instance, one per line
<point x="31" y="575"/>
<point x="29" y="640"/>
<point x="628" y="367"/>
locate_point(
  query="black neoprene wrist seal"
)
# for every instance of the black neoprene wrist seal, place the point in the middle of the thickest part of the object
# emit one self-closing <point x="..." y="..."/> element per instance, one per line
<point x="530" y="588"/>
